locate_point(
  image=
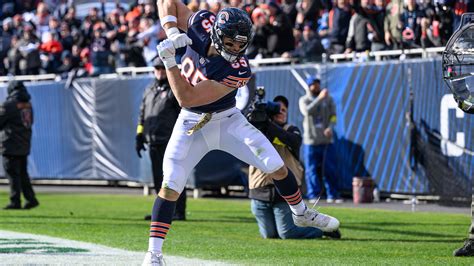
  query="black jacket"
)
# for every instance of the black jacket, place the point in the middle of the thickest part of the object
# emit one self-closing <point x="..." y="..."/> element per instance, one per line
<point x="158" y="113"/>
<point x="16" y="119"/>
<point x="291" y="136"/>
<point x="309" y="50"/>
<point x="359" y="41"/>
<point x="340" y="27"/>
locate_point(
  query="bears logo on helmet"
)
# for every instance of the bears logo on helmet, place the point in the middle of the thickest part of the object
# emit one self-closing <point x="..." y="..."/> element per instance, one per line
<point x="223" y="17"/>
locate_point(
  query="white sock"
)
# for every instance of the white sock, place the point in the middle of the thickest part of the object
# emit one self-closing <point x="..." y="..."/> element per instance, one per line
<point x="155" y="244"/>
<point x="298" y="209"/>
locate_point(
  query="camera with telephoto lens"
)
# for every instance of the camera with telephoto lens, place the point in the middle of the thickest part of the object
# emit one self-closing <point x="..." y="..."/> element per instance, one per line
<point x="260" y="111"/>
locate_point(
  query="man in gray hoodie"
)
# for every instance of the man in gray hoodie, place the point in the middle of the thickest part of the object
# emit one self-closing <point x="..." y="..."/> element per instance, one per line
<point x="319" y="113"/>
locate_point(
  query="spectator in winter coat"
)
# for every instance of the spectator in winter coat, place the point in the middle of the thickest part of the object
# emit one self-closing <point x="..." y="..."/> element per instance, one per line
<point x="28" y="50"/>
<point x="411" y="18"/>
<point x="309" y="49"/>
<point x="393" y="25"/>
<point x="339" y="19"/>
<point x="16" y="120"/>
<point x="51" y="50"/>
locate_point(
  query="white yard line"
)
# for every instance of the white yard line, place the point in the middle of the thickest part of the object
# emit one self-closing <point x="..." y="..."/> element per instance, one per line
<point x="29" y="249"/>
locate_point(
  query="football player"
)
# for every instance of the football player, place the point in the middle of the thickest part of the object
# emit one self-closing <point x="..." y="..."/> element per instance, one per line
<point x="212" y="69"/>
<point x="458" y="72"/>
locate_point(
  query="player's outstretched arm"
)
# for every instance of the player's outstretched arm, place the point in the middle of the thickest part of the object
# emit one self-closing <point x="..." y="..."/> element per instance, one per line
<point x="174" y="8"/>
<point x="174" y="15"/>
<point x="204" y="92"/>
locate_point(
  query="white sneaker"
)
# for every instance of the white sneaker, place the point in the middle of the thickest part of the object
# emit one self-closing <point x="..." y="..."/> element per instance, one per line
<point x="337" y="201"/>
<point x="313" y="218"/>
<point x="312" y="201"/>
<point x="153" y="259"/>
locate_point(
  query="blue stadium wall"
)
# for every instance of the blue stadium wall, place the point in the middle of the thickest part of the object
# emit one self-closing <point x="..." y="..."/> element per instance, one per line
<point x="422" y="146"/>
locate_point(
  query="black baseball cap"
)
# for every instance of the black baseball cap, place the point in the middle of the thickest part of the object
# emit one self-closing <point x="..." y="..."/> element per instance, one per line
<point x="311" y="80"/>
<point x="157" y="62"/>
<point x="15" y="85"/>
<point x="281" y="98"/>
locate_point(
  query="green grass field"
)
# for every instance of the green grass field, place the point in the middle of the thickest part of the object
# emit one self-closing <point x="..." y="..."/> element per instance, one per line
<point x="225" y="230"/>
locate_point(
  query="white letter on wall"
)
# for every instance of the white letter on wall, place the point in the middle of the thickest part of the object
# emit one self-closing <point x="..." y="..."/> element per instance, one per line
<point x="447" y="147"/>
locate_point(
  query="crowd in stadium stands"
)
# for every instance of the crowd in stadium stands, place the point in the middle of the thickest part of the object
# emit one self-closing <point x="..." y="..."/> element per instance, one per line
<point x="48" y="37"/>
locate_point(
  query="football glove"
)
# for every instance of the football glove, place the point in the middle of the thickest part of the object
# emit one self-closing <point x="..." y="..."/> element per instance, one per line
<point x="179" y="39"/>
<point x="140" y="144"/>
<point x="167" y="53"/>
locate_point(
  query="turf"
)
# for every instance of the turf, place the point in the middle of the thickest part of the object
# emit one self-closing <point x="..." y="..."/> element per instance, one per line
<point x="225" y="230"/>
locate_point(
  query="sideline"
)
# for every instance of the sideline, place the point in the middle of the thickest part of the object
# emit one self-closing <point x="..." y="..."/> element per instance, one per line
<point x="29" y="249"/>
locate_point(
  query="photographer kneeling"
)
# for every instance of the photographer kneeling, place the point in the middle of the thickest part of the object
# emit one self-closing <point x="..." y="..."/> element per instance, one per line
<point x="273" y="215"/>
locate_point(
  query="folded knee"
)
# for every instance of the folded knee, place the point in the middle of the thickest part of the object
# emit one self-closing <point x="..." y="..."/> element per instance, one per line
<point x="281" y="173"/>
<point x="168" y="194"/>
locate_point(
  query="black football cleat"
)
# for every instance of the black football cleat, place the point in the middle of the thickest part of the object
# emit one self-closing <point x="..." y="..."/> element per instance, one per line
<point x="465" y="251"/>
<point x="31" y="205"/>
<point x="334" y="234"/>
<point x="12" y="206"/>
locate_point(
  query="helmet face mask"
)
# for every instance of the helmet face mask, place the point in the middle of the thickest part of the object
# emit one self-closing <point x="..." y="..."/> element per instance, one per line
<point x="231" y="24"/>
<point x="458" y="64"/>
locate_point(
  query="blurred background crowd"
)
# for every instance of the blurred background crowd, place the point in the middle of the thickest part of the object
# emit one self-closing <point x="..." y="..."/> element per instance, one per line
<point x="95" y="37"/>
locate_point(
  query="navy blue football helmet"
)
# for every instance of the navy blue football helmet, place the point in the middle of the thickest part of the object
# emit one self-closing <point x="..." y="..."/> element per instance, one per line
<point x="233" y="23"/>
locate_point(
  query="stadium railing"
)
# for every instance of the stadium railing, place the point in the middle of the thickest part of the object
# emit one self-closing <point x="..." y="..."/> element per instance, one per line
<point x="41" y="77"/>
<point x="254" y="62"/>
<point x="335" y="58"/>
<point x="380" y="55"/>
